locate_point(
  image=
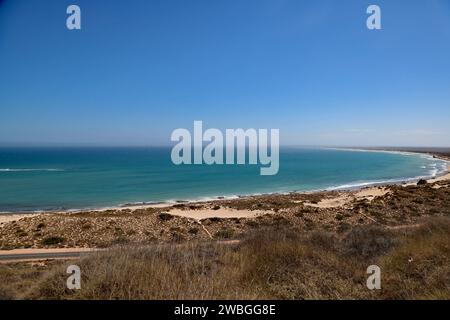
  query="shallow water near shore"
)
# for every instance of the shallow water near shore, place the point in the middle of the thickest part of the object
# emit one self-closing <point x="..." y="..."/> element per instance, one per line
<point x="74" y="178"/>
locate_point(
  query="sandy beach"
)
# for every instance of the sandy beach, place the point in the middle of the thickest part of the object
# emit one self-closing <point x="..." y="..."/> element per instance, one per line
<point x="440" y="178"/>
<point x="9" y="217"/>
<point x="216" y="211"/>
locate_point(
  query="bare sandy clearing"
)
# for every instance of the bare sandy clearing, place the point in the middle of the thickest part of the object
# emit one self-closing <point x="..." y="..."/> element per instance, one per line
<point x="200" y="214"/>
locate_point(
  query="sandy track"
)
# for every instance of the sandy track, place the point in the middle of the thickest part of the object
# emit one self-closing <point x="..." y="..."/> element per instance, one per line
<point x="17" y="255"/>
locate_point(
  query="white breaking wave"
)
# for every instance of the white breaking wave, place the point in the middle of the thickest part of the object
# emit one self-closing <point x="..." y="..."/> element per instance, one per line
<point x="28" y="170"/>
<point x="357" y="185"/>
<point x="433" y="172"/>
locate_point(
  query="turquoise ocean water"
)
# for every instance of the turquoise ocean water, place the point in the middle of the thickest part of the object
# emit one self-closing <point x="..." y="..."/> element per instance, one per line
<point x="75" y="178"/>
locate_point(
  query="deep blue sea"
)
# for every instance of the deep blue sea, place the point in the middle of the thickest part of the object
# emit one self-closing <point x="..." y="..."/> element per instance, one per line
<point x="75" y="178"/>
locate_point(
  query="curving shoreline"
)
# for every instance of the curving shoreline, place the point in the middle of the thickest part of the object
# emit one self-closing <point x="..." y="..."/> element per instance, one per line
<point x="369" y="187"/>
<point x="394" y="206"/>
<point x="443" y="175"/>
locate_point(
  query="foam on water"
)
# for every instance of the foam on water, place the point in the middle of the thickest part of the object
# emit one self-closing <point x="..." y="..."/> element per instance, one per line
<point x="29" y="170"/>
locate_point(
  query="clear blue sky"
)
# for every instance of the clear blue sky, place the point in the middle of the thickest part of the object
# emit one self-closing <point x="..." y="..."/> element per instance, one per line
<point x="139" y="69"/>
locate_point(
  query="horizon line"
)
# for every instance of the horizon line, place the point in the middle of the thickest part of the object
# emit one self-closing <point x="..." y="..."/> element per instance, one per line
<point x="87" y="145"/>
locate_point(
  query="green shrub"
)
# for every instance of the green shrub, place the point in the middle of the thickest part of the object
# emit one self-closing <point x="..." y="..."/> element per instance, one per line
<point x="225" y="233"/>
<point x="164" y="216"/>
<point x="52" y="241"/>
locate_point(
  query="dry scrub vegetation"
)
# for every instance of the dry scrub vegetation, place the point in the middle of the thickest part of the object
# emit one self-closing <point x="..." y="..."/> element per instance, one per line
<point x="399" y="206"/>
<point x="277" y="262"/>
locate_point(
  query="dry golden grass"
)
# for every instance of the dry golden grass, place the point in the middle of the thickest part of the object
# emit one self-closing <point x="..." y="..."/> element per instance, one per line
<point x="420" y="267"/>
<point x="19" y="280"/>
<point x="271" y="263"/>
